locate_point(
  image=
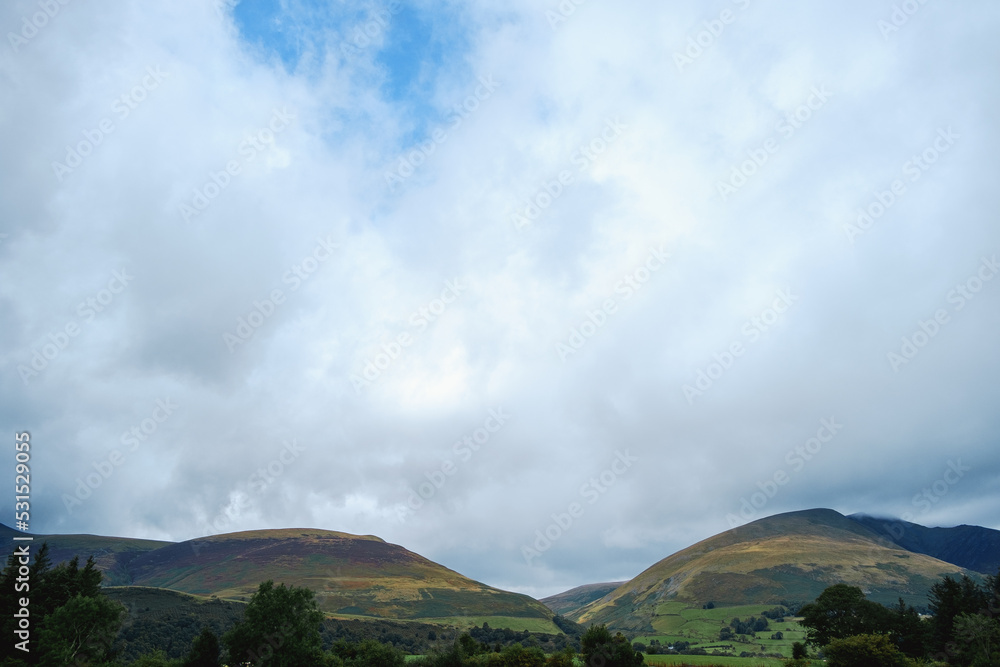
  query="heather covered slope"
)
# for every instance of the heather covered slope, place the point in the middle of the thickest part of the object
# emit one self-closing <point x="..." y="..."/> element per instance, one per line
<point x="113" y="555"/>
<point x="352" y="575"/>
<point x="788" y="557"/>
<point x="571" y="600"/>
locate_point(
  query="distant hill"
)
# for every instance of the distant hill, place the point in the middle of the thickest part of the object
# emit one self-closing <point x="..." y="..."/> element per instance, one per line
<point x="571" y="600"/>
<point x="111" y="554"/>
<point x="353" y="576"/>
<point x="972" y="547"/>
<point x="788" y="557"/>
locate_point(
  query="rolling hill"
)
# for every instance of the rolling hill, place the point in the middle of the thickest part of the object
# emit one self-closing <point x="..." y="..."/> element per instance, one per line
<point x="112" y="555"/>
<point x="353" y="576"/>
<point x="788" y="557"/>
<point x="571" y="600"/>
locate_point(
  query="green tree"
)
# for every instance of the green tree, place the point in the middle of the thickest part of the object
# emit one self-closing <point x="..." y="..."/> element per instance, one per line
<point x="563" y="658"/>
<point x="280" y="628"/>
<point x="80" y="632"/>
<point x="908" y="632"/>
<point x="600" y="649"/>
<point x="948" y="599"/>
<point x="519" y="656"/>
<point x="204" y="650"/>
<point x="865" y="651"/>
<point x="842" y="611"/>
<point x="799" y="651"/>
<point x="51" y="588"/>
<point x="372" y="653"/>
<point x="157" y="659"/>
<point x="979" y="637"/>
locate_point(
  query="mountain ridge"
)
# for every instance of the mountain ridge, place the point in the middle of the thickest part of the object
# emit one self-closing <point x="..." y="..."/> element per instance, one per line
<point x="787" y="557"/>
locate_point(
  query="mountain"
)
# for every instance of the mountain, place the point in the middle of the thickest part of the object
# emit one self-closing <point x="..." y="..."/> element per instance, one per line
<point x="353" y="576"/>
<point x="571" y="600"/>
<point x="972" y="547"/>
<point x="787" y="557"/>
<point x="112" y="555"/>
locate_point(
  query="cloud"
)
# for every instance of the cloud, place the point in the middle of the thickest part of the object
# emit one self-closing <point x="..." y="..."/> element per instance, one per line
<point x="237" y="166"/>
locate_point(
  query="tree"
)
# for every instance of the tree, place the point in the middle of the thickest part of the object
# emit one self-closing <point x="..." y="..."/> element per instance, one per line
<point x="842" y="611"/>
<point x="80" y="632"/>
<point x="563" y="658"/>
<point x="907" y="631"/>
<point x="600" y="649"/>
<point x="864" y="651"/>
<point x="157" y="659"/>
<point x="280" y="628"/>
<point x="204" y="650"/>
<point x="519" y="656"/>
<point x="980" y="638"/>
<point x="372" y="653"/>
<point x="948" y="599"/>
<point x="51" y="588"/>
<point x="799" y="651"/>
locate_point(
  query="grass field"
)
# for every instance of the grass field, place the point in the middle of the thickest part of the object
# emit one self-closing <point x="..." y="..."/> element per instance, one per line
<point x="676" y="621"/>
<point x="711" y="660"/>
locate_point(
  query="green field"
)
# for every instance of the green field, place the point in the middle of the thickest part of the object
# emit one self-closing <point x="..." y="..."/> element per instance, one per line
<point x="711" y="660"/>
<point x="676" y="621"/>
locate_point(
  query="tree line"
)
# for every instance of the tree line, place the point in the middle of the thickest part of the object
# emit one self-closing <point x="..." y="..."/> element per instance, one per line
<point x="849" y="630"/>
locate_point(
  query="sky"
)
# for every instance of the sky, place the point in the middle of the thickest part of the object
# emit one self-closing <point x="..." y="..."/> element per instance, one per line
<point x="542" y="291"/>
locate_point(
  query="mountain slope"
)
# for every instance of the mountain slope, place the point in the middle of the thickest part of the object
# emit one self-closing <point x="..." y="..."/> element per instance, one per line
<point x="791" y="556"/>
<point x="352" y="575"/>
<point x="112" y="555"/>
<point x="972" y="547"/>
<point x="571" y="600"/>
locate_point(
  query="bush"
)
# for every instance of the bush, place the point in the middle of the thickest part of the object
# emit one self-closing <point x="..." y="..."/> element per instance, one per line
<point x="865" y="651"/>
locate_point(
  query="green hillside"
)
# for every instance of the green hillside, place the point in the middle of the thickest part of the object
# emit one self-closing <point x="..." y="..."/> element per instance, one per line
<point x="574" y="598"/>
<point x="788" y="557"/>
<point x="354" y="576"/>
<point x="112" y="555"/>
